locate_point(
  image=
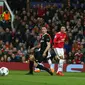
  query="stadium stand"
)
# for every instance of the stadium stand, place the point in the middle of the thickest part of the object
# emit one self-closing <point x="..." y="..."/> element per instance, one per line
<point x="15" y="44"/>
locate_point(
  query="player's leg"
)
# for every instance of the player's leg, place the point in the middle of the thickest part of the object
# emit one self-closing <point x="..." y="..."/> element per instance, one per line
<point x="39" y="59"/>
<point x="50" y="61"/>
<point x="37" y="56"/>
<point x="41" y="67"/>
<point x="37" y="70"/>
<point x="51" y="64"/>
<point x="60" y="56"/>
<point x="31" y="64"/>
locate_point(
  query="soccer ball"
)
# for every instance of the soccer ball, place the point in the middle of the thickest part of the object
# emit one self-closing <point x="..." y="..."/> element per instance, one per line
<point x="4" y="71"/>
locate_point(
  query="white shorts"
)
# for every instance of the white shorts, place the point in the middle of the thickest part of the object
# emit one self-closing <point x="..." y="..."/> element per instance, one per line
<point x="59" y="52"/>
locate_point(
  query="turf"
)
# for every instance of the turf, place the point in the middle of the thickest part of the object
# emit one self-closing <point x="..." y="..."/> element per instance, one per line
<point x="42" y="78"/>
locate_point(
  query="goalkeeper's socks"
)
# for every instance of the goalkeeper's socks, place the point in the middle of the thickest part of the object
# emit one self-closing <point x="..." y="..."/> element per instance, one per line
<point x="44" y="68"/>
<point x="31" y="64"/>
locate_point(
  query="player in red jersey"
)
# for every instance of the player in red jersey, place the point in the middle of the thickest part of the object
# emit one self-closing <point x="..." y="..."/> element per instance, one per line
<point x="58" y="41"/>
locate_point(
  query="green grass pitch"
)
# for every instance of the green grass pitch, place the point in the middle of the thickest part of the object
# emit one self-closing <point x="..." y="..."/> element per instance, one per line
<point x="42" y="78"/>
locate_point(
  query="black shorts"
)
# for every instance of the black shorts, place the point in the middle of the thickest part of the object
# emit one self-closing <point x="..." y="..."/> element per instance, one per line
<point x="38" y="56"/>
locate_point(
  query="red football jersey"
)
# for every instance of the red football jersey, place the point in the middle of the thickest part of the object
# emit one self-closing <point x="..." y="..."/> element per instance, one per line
<point x="59" y="40"/>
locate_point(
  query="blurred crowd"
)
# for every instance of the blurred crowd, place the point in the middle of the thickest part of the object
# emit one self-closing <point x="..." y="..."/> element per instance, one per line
<point x="15" y="44"/>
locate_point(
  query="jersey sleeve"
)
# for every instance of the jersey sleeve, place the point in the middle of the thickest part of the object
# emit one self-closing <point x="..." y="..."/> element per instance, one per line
<point x="55" y="38"/>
